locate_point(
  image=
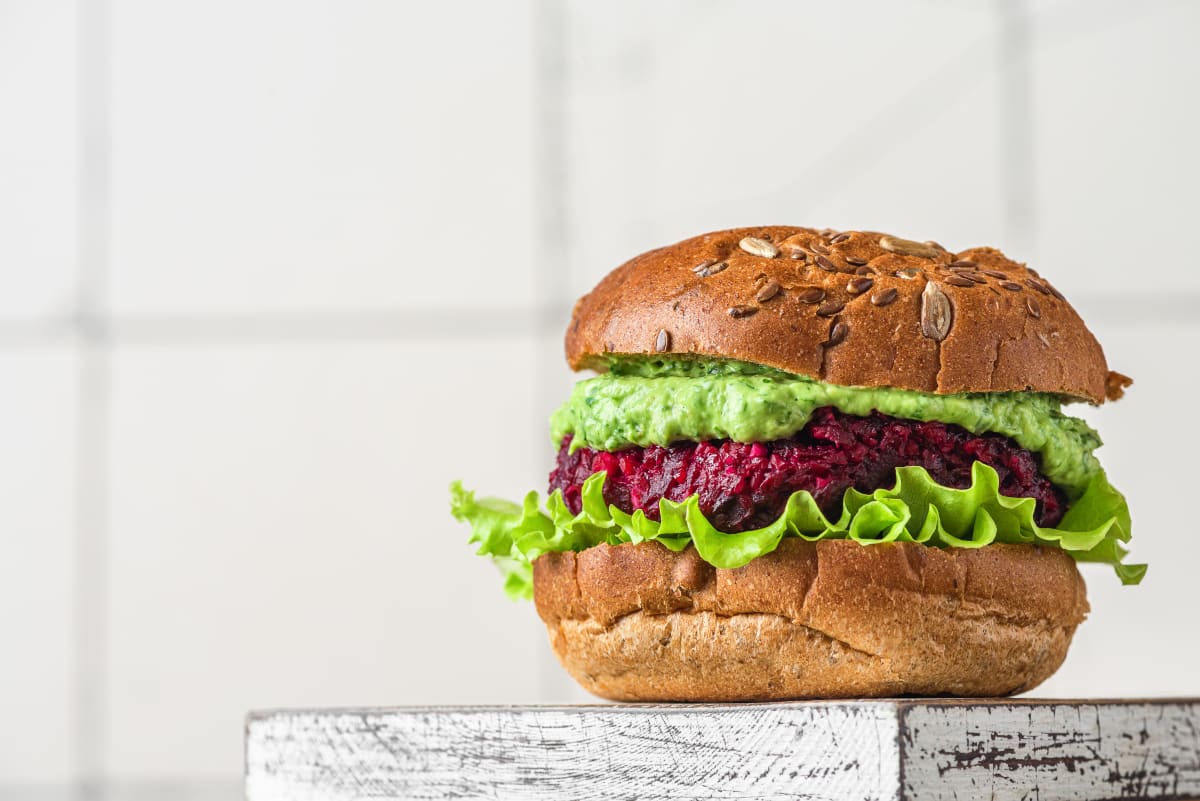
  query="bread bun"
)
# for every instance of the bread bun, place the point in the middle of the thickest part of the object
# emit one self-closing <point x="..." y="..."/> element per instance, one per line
<point x="855" y="308"/>
<point x="828" y="619"/>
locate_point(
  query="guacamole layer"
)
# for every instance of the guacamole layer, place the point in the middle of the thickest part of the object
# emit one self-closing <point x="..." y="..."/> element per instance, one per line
<point x="642" y="402"/>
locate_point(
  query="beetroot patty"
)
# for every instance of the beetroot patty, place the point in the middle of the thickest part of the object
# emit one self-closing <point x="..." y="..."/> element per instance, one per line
<point x="746" y="485"/>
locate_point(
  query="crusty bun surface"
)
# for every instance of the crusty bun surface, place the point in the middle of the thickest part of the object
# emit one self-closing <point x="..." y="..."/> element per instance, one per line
<point x="829" y="619"/>
<point x="854" y="308"/>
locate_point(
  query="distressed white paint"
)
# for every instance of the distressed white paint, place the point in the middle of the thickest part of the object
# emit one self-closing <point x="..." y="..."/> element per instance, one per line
<point x="1063" y="751"/>
<point x="800" y="751"/>
<point x="813" y="750"/>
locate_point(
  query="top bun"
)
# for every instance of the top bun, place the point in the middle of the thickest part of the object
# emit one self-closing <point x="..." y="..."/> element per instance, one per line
<point x="856" y="308"/>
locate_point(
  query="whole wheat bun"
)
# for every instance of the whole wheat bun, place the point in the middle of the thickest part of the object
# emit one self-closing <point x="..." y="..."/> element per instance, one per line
<point x="857" y="308"/>
<point x="829" y="619"/>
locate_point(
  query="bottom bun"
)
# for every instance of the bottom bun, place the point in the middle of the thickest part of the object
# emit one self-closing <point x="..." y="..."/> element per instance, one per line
<point x="827" y="619"/>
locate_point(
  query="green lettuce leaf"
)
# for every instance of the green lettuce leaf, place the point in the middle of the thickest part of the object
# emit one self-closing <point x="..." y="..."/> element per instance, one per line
<point x="917" y="509"/>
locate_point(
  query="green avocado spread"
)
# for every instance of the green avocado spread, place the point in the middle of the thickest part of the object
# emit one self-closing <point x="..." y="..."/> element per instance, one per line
<point x="642" y="401"/>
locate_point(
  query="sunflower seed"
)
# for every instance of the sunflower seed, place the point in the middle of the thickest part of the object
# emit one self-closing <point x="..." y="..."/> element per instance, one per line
<point x="830" y="308"/>
<point x="1034" y="308"/>
<point x="662" y="342"/>
<point x="842" y="237"/>
<point x="709" y="267"/>
<point x="1055" y="292"/>
<point x="770" y="290"/>
<point x="795" y="252"/>
<point x="825" y="264"/>
<point x="865" y="270"/>
<point x="813" y="294"/>
<point x="937" y="312"/>
<point x="907" y="247"/>
<point x="857" y="286"/>
<point x="758" y="247"/>
<point x="884" y="297"/>
<point x="817" y="247"/>
<point x="958" y="280"/>
<point x="855" y="260"/>
<point x="737" y="312"/>
<point x="837" y="332"/>
<point x="995" y="274"/>
<point x="971" y="276"/>
<point x="962" y="264"/>
<point x="1011" y="286"/>
<point x="1032" y="284"/>
<point x="908" y="273"/>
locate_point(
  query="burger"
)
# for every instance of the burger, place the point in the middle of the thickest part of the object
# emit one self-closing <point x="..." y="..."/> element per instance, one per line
<point x="816" y="464"/>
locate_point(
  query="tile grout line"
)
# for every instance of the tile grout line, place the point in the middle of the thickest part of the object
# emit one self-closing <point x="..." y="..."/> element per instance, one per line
<point x="306" y="326"/>
<point x="93" y="445"/>
<point x="92" y="435"/>
<point x="338" y="327"/>
<point x="550" y="86"/>
<point x="550" y="142"/>
<point x="1015" y="55"/>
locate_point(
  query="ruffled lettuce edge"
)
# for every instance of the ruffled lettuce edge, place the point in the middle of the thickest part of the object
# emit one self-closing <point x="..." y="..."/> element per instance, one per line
<point x="917" y="509"/>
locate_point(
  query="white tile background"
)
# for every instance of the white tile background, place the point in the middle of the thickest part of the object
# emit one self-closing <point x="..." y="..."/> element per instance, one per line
<point x="261" y="262"/>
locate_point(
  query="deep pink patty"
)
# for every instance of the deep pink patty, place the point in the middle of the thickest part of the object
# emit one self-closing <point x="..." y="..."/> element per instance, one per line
<point x="746" y="485"/>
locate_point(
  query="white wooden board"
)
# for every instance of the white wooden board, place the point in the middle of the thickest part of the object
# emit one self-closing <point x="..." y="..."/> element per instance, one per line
<point x="945" y="749"/>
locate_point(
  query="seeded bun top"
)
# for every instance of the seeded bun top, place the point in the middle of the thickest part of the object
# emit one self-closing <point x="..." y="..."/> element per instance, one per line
<point x="855" y="308"/>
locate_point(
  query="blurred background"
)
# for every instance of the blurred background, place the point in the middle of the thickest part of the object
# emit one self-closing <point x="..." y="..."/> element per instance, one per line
<point x="272" y="274"/>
